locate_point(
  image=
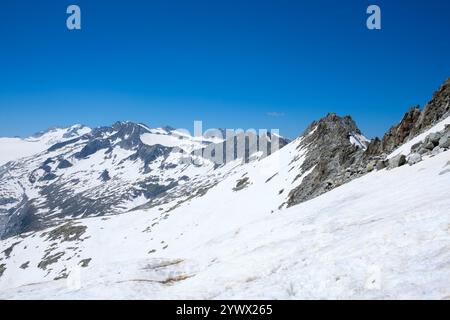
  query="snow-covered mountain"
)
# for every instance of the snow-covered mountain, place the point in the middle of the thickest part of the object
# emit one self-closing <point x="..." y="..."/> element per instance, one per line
<point x="132" y="212"/>
<point x="16" y="148"/>
<point x="108" y="170"/>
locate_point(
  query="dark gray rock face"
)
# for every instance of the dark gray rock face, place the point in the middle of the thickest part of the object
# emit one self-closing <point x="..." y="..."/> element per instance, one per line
<point x="129" y="134"/>
<point x="333" y="159"/>
<point x="23" y="219"/>
<point x="92" y="147"/>
<point x="48" y="177"/>
<point x="64" y="164"/>
<point x="61" y="145"/>
<point x="105" y="176"/>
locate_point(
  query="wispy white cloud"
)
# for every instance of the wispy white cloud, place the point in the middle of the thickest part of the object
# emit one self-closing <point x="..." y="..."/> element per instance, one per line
<point x="275" y="114"/>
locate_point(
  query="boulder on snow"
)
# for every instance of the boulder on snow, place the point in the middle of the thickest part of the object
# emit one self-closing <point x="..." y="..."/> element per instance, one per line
<point x="370" y="167"/>
<point x="397" y="161"/>
<point x="380" y="165"/>
<point x="433" y="138"/>
<point x="414" y="158"/>
<point x="428" y="145"/>
<point x="416" y="146"/>
<point x="423" y="151"/>
<point x="436" y="151"/>
<point x="444" y="142"/>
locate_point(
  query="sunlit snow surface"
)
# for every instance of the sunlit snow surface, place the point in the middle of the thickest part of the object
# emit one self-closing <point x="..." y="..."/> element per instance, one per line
<point x="16" y="148"/>
<point x="385" y="236"/>
<point x="359" y="140"/>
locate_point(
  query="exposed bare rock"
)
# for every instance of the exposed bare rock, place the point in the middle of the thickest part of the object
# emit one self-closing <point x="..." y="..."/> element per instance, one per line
<point x="400" y="133"/>
<point x="444" y="141"/>
<point x="414" y="122"/>
<point x="434" y="110"/>
<point x="332" y="157"/>
<point x="397" y="161"/>
<point x="334" y="161"/>
<point x="414" y="158"/>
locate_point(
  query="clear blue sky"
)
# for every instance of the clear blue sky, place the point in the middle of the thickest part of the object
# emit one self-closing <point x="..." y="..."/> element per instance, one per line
<point x="230" y="63"/>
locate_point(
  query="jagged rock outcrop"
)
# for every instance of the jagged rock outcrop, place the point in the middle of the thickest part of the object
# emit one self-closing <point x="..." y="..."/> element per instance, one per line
<point x="399" y="133"/>
<point x="435" y="110"/>
<point x="331" y="156"/>
<point x="336" y="161"/>
<point x="414" y="122"/>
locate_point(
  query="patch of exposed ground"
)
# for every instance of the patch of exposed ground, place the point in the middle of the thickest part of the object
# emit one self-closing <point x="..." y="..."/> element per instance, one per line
<point x="67" y="232"/>
<point x="163" y="264"/>
<point x="49" y="260"/>
<point x="8" y="251"/>
<point x="85" y="262"/>
<point x="241" y="184"/>
<point x="173" y="280"/>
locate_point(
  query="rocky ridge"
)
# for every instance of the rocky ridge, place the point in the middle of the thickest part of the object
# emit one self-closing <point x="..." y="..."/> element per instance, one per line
<point x="414" y="122"/>
<point x="336" y="161"/>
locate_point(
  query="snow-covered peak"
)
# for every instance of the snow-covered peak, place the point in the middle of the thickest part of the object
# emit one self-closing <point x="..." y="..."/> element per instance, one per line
<point x="59" y="133"/>
<point x="16" y="148"/>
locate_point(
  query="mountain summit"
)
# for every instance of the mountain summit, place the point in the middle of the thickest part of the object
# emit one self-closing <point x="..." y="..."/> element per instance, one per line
<point x="334" y="145"/>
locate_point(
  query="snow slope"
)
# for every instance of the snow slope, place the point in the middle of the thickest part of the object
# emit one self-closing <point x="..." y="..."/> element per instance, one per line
<point x="16" y="148"/>
<point x="359" y="140"/>
<point x="385" y="235"/>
